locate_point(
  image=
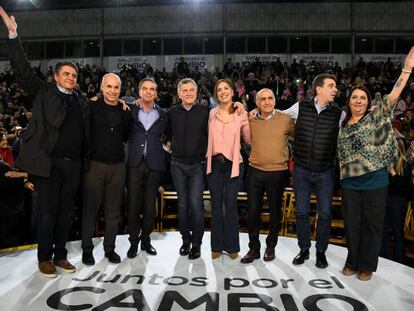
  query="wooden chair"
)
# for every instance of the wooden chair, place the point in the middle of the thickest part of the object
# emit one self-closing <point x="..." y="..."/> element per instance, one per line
<point x="164" y="197"/>
<point x="337" y="225"/>
<point x="290" y="217"/>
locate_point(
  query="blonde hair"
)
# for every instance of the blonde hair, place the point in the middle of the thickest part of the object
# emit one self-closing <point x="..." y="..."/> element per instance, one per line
<point x="401" y="161"/>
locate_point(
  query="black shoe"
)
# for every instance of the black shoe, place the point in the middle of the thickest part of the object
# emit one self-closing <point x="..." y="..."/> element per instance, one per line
<point x="251" y="255"/>
<point x="113" y="257"/>
<point x="195" y="252"/>
<point x="185" y="249"/>
<point x="301" y="257"/>
<point x="149" y="249"/>
<point x="269" y="254"/>
<point x="321" y="261"/>
<point x="133" y="250"/>
<point x="87" y="258"/>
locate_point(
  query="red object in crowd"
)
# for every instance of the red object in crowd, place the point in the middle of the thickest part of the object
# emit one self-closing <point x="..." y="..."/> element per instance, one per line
<point x="6" y="154"/>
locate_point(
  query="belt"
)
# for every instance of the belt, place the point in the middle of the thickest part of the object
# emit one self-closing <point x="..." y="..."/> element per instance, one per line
<point x="221" y="157"/>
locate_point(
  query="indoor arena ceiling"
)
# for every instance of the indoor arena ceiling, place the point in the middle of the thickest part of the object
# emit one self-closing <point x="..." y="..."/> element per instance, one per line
<point x="18" y="5"/>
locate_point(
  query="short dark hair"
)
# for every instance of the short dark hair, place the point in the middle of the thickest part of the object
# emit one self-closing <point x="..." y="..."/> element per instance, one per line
<point x="59" y="65"/>
<point x="320" y="79"/>
<point x="147" y="79"/>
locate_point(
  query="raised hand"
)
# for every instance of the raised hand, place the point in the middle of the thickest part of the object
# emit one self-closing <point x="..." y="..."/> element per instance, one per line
<point x="403" y="78"/>
<point x="9" y="22"/>
<point x="409" y="60"/>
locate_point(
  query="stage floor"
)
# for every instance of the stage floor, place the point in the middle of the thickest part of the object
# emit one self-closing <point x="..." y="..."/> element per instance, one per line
<point x="172" y="282"/>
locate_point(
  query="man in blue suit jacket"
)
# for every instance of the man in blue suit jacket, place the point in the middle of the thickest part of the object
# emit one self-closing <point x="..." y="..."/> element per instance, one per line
<point x="145" y="165"/>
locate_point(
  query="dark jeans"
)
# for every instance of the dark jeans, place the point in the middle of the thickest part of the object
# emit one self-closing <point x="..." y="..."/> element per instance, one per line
<point x="103" y="184"/>
<point x="395" y="211"/>
<point x="304" y="181"/>
<point x="363" y="213"/>
<point x="189" y="183"/>
<point x="142" y="185"/>
<point x="273" y="183"/>
<point x="55" y="205"/>
<point x="224" y="215"/>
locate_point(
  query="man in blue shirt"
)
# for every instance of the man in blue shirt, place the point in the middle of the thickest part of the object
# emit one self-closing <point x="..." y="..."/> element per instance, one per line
<point x="145" y="163"/>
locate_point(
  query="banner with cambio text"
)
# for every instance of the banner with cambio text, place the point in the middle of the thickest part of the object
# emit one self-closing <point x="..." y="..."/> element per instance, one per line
<point x="201" y="62"/>
<point x="247" y="59"/>
<point x="115" y="64"/>
<point x="397" y="59"/>
<point x="323" y="59"/>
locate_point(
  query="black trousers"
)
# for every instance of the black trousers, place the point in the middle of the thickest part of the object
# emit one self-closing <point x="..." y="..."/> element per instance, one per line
<point x="103" y="185"/>
<point x="363" y="212"/>
<point x="142" y="185"/>
<point x="273" y="183"/>
<point x="55" y="205"/>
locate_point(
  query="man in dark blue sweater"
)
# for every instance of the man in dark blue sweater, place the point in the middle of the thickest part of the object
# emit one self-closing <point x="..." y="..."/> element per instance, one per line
<point x="188" y="125"/>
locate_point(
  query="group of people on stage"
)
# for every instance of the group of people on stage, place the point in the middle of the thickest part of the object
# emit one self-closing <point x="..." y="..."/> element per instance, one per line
<point x="66" y="128"/>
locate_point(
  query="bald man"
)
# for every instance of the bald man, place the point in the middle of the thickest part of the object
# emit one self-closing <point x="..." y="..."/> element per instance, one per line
<point x="105" y="178"/>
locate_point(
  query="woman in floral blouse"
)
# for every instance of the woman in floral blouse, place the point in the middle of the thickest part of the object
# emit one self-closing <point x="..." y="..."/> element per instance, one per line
<point x="366" y="147"/>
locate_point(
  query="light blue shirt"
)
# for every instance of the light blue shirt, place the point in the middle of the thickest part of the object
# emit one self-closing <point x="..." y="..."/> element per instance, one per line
<point x="147" y="118"/>
<point x="294" y="111"/>
<point x="63" y="90"/>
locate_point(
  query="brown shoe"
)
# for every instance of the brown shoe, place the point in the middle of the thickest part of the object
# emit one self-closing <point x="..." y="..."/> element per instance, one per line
<point x="347" y="271"/>
<point x="47" y="269"/>
<point x="269" y="254"/>
<point x="364" y="275"/>
<point x="215" y="255"/>
<point x="64" y="265"/>
<point x="251" y="255"/>
<point x="233" y="255"/>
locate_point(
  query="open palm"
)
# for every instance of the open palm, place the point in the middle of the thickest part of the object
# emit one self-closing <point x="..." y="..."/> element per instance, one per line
<point x="409" y="60"/>
<point x="9" y="21"/>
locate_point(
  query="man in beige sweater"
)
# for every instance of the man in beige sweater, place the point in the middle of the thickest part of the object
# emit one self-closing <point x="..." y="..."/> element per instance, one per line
<point x="268" y="171"/>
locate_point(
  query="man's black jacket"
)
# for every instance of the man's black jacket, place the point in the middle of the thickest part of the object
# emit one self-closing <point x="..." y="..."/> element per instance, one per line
<point x="49" y="111"/>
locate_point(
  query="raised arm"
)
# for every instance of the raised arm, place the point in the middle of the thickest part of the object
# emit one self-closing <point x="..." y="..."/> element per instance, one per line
<point x="403" y="78"/>
<point x="18" y="60"/>
<point x="9" y="22"/>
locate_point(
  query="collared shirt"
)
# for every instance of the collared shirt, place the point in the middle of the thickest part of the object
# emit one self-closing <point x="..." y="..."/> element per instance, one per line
<point x="268" y="117"/>
<point x="147" y="118"/>
<point x="224" y="138"/>
<point x="294" y="111"/>
<point x="188" y="108"/>
<point x="63" y="90"/>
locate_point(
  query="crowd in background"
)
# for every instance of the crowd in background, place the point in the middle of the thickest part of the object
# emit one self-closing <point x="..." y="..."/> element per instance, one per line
<point x="289" y="82"/>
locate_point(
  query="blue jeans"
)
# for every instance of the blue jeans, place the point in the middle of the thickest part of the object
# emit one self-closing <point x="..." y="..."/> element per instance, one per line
<point x="224" y="215"/>
<point x="189" y="183"/>
<point x="304" y="181"/>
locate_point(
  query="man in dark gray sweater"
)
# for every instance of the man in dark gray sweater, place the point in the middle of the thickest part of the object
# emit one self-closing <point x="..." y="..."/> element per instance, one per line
<point x="188" y="134"/>
<point x="105" y="178"/>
